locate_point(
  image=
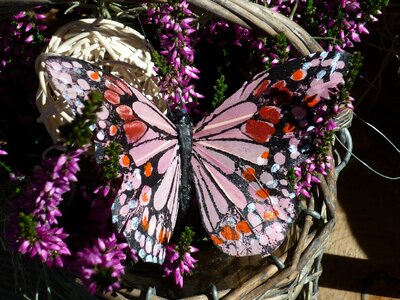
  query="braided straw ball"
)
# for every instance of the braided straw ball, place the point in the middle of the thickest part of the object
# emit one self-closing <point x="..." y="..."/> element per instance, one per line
<point x="119" y="48"/>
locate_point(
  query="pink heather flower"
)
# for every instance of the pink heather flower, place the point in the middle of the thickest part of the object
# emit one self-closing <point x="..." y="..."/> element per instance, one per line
<point x="17" y="35"/>
<point x="29" y="39"/>
<point x="34" y="216"/>
<point x="175" y="34"/>
<point x="100" y="265"/>
<point x="41" y="27"/>
<point x="49" y="246"/>
<point x="19" y="15"/>
<point x="40" y="16"/>
<point x="177" y="264"/>
<point x="28" y="27"/>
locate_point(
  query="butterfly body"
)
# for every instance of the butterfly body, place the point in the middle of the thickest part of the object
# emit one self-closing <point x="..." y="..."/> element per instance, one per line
<point x="185" y="137"/>
<point x="237" y="157"/>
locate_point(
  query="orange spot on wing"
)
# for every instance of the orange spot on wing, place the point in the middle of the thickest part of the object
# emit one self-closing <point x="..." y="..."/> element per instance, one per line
<point x="259" y="131"/>
<point x="243" y="227"/>
<point x="261" y="88"/>
<point x="145" y="197"/>
<point x="161" y="236"/>
<point x="249" y="174"/>
<point x="262" y="193"/>
<point x="167" y="235"/>
<point x="216" y="240"/>
<point x="112" y="97"/>
<point x="229" y="233"/>
<point x="134" y="131"/>
<point x="148" y="169"/>
<point x="125" y="113"/>
<point x="125" y="161"/>
<point x="94" y="76"/>
<point x="270" y="113"/>
<point x="280" y="92"/>
<point x="270" y="215"/>
<point x="113" y="86"/>
<point x="288" y="128"/>
<point x="265" y="155"/>
<point x="113" y="130"/>
<point x="311" y="101"/>
<point x="123" y="86"/>
<point x="145" y="224"/>
<point x="298" y="75"/>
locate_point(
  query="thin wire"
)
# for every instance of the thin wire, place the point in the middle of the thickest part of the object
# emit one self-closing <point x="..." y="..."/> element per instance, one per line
<point x="378" y="131"/>
<point x="364" y="163"/>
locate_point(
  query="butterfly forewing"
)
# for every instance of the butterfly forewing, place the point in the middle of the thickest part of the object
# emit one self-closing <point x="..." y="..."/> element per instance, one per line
<point x="244" y="149"/>
<point x="146" y="206"/>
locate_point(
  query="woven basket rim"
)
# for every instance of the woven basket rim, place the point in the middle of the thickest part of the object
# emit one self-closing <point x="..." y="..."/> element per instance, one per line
<point x="311" y="243"/>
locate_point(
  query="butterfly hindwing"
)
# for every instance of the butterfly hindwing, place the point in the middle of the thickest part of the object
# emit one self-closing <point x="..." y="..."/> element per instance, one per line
<point x="146" y="206"/>
<point x="244" y="149"/>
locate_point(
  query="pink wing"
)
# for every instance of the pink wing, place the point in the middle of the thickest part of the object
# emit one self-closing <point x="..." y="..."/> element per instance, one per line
<point x="243" y="150"/>
<point x="146" y="207"/>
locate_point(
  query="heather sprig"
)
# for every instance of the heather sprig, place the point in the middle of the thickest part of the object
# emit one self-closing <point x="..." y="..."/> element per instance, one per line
<point x="177" y="69"/>
<point x="178" y="258"/>
<point x="21" y="35"/>
<point x="100" y="265"/>
<point x="35" y="213"/>
<point x="110" y="163"/>
<point x="306" y="174"/>
<point x="335" y="24"/>
<point x="219" y="91"/>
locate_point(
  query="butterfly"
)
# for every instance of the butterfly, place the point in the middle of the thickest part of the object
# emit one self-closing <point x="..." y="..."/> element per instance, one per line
<point x="237" y="157"/>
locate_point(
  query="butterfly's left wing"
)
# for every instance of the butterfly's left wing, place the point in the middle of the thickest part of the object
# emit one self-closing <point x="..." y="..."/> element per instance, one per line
<point x="146" y="206"/>
<point x="243" y="150"/>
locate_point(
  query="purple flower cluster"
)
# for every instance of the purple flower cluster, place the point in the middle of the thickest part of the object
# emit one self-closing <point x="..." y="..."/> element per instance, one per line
<point x="34" y="214"/>
<point x="174" y="20"/>
<point x="18" y="35"/>
<point x="341" y="21"/>
<point x="100" y="265"/>
<point x="344" y="23"/>
<point x="306" y="174"/>
<point x="178" y="262"/>
<point x="339" y="24"/>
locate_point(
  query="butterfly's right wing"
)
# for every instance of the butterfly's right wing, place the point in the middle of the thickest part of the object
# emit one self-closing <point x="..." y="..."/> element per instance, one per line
<point x="146" y="206"/>
<point x="242" y="152"/>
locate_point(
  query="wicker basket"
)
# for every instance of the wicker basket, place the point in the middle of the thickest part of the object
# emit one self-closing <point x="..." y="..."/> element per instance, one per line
<point x="294" y="269"/>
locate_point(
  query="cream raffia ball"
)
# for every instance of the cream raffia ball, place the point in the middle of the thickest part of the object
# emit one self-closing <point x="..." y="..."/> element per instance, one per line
<point x="120" y="49"/>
